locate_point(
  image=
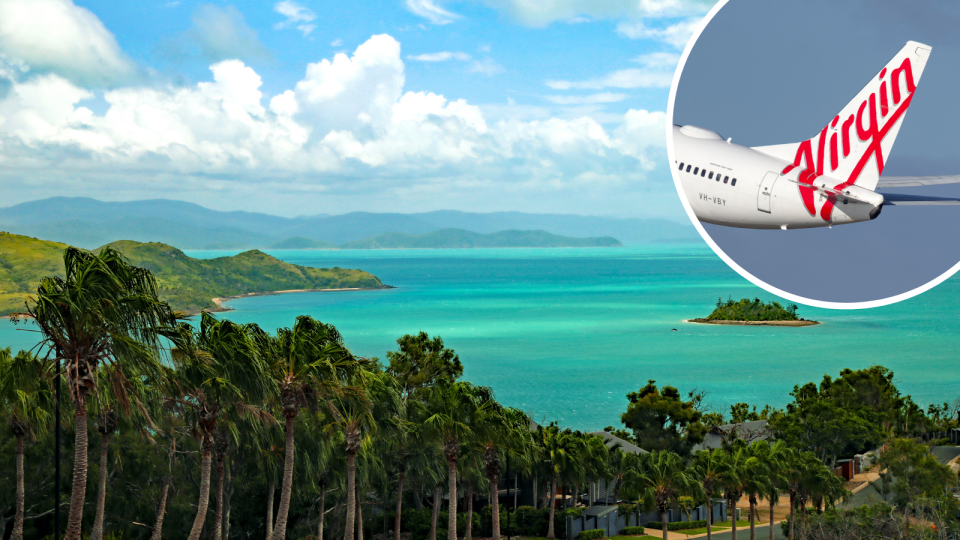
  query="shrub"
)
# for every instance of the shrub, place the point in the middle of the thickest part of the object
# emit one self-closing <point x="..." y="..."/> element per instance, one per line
<point x="677" y="525"/>
<point x="593" y="534"/>
<point x="941" y="442"/>
<point x="631" y="531"/>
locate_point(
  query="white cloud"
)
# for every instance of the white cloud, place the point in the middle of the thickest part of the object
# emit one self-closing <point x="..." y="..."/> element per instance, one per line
<point x="486" y="66"/>
<point x="602" y="97"/>
<point x="336" y="43"/>
<point x="220" y="33"/>
<point x="440" y="57"/>
<point x="346" y="131"/>
<point x="544" y="12"/>
<point x="657" y="72"/>
<point x="431" y="11"/>
<point x="676" y="35"/>
<point x="61" y="37"/>
<point x="296" y="15"/>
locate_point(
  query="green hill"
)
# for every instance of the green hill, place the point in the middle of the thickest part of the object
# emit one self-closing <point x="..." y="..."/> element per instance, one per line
<point x="187" y="283"/>
<point x="459" y="238"/>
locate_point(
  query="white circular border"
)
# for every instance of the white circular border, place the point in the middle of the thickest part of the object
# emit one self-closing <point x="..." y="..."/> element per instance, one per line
<point x="713" y="245"/>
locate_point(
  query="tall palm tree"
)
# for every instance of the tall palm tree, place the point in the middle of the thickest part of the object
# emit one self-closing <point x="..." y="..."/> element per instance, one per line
<point x="754" y="479"/>
<point x="597" y="462"/>
<point x="709" y="467"/>
<point x="103" y="312"/>
<point x="660" y="479"/>
<point x="306" y="362"/>
<point x="454" y="412"/>
<point x="732" y="480"/>
<point x="25" y="402"/>
<point x="503" y="431"/>
<point x="770" y="456"/>
<point x="792" y="472"/>
<point x="218" y="368"/>
<point x="559" y="449"/>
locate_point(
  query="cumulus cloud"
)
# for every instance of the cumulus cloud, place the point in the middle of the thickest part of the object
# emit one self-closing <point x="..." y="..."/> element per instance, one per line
<point x="348" y="126"/>
<point x="657" y="72"/>
<point x="296" y="15"/>
<point x="544" y="12"/>
<point x="440" y="57"/>
<point x="61" y="37"/>
<point x="217" y="33"/>
<point x="431" y="11"/>
<point x="676" y="35"/>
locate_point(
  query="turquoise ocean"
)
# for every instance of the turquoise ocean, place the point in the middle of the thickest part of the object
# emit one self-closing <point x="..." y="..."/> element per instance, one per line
<point x="565" y="333"/>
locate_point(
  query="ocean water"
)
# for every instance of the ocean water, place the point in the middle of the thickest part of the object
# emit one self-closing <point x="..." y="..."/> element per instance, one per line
<point x="565" y="333"/>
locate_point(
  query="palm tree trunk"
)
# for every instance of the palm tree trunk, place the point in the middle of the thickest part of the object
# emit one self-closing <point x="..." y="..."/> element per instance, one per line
<point x="18" y="520"/>
<point x="349" y="532"/>
<point x="227" y="495"/>
<point x="494" y="508"/>
<point x="323" y="503"/>
<point x="271" y="489"/>
<point x="733" y="518"/>
<point x="396" y="518"/>
<point x="280" y="531"/>
<point x="452" y="510"/>
<point x="218" y="520"/>
<point x="468" y="534"/>
<point x="97" y="532"/>
<point x="359" y="516"/>
<point x="435" y="512"/>
<point x="753" y="506"/>
<point x="550" y="495"/>
<point x="204" y="488"/>
<point x="663" y="523"/>
<point x="161" y="510"/>
<point x="792" y="499"/>
<point x="772" y="504"/>
<point x="516" y="492"/>
<point x="78" y="491"/>
<point x="536" y="493"/>
<point x="709" y="518"/>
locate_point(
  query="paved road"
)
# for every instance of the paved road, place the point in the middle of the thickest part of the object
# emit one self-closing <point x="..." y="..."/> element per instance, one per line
<point x="763" y="533"/>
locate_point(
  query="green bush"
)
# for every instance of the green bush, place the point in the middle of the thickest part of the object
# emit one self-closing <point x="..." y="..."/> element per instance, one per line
<point x="593" y="534"/>
<point x="677" y="525"/>
<point x="631" y="531"/>
<point x="941" y="442"/>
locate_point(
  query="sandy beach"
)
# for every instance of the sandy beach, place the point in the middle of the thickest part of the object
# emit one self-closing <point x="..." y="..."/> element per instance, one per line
<point x="754" y="323"/>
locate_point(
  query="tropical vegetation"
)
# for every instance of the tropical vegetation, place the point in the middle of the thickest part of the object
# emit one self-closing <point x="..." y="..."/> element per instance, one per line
<point x="752" y="310"/>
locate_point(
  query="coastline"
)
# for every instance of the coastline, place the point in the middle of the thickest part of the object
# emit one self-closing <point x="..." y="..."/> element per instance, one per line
<point x="219" y="301"/>
<point x="791" y="324"/>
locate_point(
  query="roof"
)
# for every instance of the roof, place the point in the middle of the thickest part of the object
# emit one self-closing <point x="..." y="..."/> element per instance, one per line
<point x="756" y="430"/>
<point x="610" y="440"/>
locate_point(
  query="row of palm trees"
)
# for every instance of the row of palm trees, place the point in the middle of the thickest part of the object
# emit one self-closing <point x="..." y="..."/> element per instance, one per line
<point x="321" y="421"/>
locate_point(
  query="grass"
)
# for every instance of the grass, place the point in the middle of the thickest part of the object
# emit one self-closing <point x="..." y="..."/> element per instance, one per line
<point x="641" y="537"/>
<point x="702" y="530"/>
<point x="728" y="524"/>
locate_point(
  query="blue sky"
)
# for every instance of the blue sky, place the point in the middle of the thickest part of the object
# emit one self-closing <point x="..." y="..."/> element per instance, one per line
<point x="302" y="107"/>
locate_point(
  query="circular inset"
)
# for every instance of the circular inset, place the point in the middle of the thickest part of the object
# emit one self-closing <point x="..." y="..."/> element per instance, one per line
<point x="783" y="124"/>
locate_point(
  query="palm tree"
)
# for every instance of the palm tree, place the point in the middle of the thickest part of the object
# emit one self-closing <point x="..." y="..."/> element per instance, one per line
<point x="305" y="362"/>
<point x="504" y="430"/>
<point x="559" y="450"/>
<point x="733" y="479"/>
<point x="218" y="368"/>
<point x="660" y="479"/>
<point x="792" y="472"/>
<point x="453" y="413"/>
<point x="708" y="469"/>
<point x="769" y="457"/>
<point x="597" y="462"/>
<point x="24" y="403"/>
<point x="754" y="478"/>
<point x="103" y="312"/>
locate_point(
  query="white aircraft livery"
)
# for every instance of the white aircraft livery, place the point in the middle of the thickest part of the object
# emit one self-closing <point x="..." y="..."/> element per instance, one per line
<point x="829" y="179"/>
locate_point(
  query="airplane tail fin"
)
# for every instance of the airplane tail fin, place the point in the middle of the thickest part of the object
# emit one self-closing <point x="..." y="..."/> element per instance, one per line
<point x="853" y="145"/>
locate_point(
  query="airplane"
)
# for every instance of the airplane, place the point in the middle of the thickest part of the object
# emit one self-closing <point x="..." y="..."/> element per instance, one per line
<point x="829" y="179"/>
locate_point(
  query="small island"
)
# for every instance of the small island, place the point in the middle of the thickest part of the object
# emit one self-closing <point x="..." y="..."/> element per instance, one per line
<point x="754" y="312"/>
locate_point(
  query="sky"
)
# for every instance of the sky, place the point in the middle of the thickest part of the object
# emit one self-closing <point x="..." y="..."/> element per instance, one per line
<point x="309" y="106"/>
<point x="769" y="73"/>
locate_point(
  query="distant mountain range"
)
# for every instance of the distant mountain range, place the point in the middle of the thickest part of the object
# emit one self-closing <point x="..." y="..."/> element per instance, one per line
<point x="90" y="223"/>
<point x="459" y="238"/>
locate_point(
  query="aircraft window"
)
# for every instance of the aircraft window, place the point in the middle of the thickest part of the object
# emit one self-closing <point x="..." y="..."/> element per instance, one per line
<point x="734" y="182"/>
<point x="681" y="166"/>
<point x="688" y="168"/>
<point x="696" y="170"/>
<point x="711" y="175"/>
<point x="725" y="179"/>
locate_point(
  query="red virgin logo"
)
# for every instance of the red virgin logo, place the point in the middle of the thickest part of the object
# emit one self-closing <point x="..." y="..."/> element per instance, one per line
<point x="868" y="128"/>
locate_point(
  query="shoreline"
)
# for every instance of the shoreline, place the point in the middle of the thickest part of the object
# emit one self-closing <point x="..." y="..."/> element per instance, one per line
<point x="219" y="301"/>
<point x="789" y="324"/>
